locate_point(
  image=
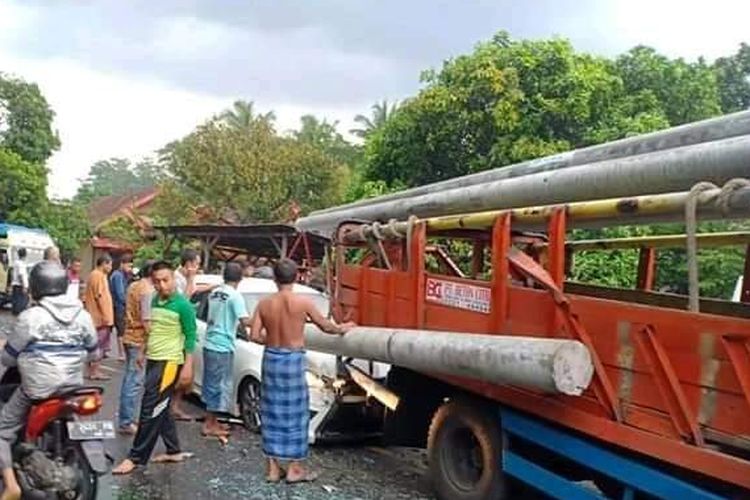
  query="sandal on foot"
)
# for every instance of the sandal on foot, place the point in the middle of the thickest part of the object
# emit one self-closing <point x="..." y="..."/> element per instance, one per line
<point x="309" y="477"/>
<point x="172" y="459"/>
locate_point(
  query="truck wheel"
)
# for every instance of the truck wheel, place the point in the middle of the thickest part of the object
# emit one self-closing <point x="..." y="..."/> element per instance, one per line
<point x="464" y="449"/>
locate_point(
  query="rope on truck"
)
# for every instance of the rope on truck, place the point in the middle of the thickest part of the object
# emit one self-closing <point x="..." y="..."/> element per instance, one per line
<point x="721" y="198"/>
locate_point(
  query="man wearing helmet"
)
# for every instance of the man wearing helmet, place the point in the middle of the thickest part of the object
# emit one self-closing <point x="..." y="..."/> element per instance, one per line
<point x="49" y="344"/>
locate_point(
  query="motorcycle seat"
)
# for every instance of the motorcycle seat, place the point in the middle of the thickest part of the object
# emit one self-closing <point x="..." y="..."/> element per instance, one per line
<point x="78" y="391"/>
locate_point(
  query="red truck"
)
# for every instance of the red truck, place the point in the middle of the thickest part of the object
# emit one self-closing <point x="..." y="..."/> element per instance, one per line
<point x="667" y="414"/>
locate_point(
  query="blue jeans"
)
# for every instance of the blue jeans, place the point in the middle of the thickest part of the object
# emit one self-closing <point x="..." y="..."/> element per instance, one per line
<point x="216" y="390"/>
<point x="132" y="383"/>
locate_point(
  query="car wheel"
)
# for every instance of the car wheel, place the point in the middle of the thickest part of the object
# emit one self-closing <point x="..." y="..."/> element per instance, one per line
<point x="250" y="404"/>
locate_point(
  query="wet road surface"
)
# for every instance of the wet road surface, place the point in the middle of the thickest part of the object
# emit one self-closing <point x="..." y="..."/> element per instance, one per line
<point x="236" y="471"/>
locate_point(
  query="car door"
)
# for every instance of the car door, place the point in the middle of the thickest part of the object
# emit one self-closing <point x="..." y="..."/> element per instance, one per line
<point x="200" y="301"/>
<point x="248" y="356"/>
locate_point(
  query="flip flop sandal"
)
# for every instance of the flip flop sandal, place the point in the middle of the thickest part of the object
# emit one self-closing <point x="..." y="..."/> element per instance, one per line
<point x="183" y="456"/>
<point x="211" y="435"/>
<point x="309" y="477"/>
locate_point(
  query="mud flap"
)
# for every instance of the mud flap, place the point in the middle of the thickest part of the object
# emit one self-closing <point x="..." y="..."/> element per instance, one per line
<point x="97" y="458"/>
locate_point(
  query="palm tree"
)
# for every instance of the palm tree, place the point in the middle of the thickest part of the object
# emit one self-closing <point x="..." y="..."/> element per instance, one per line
<point x="242" y="115"/>
<point x="381" y="112"/>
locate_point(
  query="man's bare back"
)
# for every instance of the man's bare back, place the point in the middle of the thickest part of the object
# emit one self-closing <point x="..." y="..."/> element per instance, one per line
<point x="279" y="320"/>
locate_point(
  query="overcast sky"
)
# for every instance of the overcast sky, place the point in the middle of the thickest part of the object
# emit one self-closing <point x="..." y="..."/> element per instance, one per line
<point x="126" y="77"/>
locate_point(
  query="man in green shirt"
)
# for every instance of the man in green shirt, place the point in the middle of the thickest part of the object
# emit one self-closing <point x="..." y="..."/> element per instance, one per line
<point x="168" y="351"/>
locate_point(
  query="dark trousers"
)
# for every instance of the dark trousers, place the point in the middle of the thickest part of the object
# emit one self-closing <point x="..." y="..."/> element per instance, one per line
<point x="19" y="300"/>
<point x="156" y="419"/>
<point x="120" y="322"/>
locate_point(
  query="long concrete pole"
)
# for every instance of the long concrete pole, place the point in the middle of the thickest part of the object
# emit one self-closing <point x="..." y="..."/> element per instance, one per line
<point x="722" y="127"/>
<point x="647" y="209"/>
<point x="660" y="172"/>
<point x="549" y="365"/>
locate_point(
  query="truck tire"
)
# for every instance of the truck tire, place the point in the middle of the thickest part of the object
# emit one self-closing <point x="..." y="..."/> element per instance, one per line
<point x="464" y="449"/>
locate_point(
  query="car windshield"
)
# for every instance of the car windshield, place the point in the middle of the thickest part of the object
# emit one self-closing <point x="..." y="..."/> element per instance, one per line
<point x="252" y="299"/>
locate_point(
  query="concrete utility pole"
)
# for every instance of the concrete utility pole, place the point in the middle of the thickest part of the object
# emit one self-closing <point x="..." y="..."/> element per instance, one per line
<point x="671" y="170"/>
<point x="713" y="129"/>
<point x="550" y="365"/>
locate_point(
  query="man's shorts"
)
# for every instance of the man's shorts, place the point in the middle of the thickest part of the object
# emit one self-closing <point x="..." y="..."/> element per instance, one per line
<point x="216" y="390"/>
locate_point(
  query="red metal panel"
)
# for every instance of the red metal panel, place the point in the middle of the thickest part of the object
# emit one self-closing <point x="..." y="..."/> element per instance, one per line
<point x="601" y="384"/>
<point x="348" y="275"/>
<point x="558" y="410"/>
<point x="444" y="318"/>
<point x="745" y="293"/>
<point x="416" y="264"/>
<point x="556" y="234"/>
<point x="377" y="280"/>
<point x="364" y="306"/>
<point x="738" y="349"/>
<point x="668" y="386"/>
<point x="646" y="268"/>
<point x="500" y="280"/>
<point x="390" y="311"/>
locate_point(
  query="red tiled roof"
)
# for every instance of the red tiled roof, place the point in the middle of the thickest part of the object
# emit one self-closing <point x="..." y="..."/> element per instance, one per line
<point x="109" y="244"/>
<point x="103" y="208"/>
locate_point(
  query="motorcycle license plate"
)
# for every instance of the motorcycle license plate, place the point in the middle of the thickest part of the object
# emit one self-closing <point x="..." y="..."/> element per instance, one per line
<point x="91" y="429"/>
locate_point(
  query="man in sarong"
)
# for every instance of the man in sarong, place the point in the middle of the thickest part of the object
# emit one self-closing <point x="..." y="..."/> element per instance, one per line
<point x="279" y="322"/>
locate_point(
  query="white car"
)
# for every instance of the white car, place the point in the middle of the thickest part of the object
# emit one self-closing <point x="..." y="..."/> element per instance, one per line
<point x="328" y="399"/>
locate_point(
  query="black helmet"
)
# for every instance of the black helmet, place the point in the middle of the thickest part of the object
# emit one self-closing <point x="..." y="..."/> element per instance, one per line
<point x="47" y="279"/>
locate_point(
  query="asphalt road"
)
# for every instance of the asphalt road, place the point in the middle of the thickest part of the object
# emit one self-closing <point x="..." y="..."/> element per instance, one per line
<point x="236" y="471"/>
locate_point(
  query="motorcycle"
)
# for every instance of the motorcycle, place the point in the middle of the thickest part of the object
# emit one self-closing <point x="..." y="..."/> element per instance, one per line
<point x="59" y="453"/>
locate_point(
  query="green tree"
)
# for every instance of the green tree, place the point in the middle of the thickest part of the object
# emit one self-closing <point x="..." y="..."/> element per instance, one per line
<point x="22" y="189"/>
<point x="325" y="137"/>
<point x="251" y="173"/>
<point x="686" y="92"/>
<point x="118" y="176"/>
<point x="26" y="141"/>
<point x="510" y="101"/>
<point x="67" y="224"/>
<point x="506" y="102"/>
<point x="26" y="120"/>
<point x="733" y="78"/>
<point x="381" y="111"/>
<point x="242" y="115"/>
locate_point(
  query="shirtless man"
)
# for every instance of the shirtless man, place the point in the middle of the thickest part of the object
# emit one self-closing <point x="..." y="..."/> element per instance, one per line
<point x="279" y="322"/>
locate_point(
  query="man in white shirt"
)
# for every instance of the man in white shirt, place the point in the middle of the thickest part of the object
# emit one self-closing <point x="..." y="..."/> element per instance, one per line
<point x="184" y="277"/>
<point x="20" y="283"/>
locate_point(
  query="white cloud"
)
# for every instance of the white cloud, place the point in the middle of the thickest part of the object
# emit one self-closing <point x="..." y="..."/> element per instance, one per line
<point x="681" y="28"/>
<point x="185" y="38"/>
<point x="14" y="19"/>
<point x="124" y="83"/>
<point x="100" y="116"/>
